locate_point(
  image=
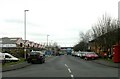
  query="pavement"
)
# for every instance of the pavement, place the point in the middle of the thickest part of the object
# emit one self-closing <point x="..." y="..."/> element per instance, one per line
<point x="25" y="64"/>
<point x="107" y="63"/>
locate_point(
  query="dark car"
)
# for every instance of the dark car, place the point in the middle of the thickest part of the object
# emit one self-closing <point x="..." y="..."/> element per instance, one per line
<point x="36" y="57"/>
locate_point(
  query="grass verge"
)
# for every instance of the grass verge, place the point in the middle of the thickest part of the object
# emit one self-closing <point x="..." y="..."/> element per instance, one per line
<point x="21" y="61"/>
<point x="106" y="59"/>
<point x="13" y="63"/>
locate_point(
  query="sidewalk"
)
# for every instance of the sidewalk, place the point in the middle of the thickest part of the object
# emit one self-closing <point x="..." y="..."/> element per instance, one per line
<point x="16" y="66"/>
<point x="107" y="63"/>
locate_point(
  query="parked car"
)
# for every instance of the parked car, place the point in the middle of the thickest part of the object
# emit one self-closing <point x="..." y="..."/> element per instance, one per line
<point x="61" y="53"/>
<point x="82" y="54"/>
<point x="91" y="55"/>
<point x="48" y="52"/>
<point x="73" y="53"/>
<point x="78" y="54"/>
<point x="6" y="57"/>
<point x="36" y="57"/>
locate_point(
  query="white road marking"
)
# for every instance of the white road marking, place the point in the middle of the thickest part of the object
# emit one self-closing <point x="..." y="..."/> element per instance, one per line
<point x="66" y="65"/>
<point x="72" y="76"/>
<point x="69" y="70"/>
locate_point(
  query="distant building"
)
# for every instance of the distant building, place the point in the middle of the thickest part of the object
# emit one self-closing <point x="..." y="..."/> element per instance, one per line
<point x="11" y="43"/>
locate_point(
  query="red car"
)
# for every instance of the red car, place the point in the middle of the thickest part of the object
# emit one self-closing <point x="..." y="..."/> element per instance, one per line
<point x="91" y="55"/>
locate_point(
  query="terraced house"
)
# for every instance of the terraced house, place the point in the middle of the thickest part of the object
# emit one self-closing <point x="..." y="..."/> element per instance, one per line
<point x="16" y="46"/>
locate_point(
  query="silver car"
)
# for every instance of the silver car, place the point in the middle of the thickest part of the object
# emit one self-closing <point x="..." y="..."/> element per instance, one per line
<point x="77" y="54"/>
<point x="82" y="54"/>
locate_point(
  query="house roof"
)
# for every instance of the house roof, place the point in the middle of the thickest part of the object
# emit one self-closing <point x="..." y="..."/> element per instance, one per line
<point x="26" y="41"/>
<point x="31" y="42"/>
<point x="6" y="40"/>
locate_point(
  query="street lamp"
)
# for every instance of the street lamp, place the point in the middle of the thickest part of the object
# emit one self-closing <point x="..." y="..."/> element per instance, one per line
<point x="47" y="40"/>
<point x="25" y="32"/>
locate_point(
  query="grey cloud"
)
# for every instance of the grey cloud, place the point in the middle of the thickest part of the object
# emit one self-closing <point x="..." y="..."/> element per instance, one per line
<point x="20" y="22"/>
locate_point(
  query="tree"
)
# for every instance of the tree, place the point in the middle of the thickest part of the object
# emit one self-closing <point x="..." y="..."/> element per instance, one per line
<point x="83" y="43"/>
<point x="104" y="32"/>
<point x="82" y="46"/>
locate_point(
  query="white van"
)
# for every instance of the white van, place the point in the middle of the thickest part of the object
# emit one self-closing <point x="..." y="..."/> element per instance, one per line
<point x="7" y="57"/>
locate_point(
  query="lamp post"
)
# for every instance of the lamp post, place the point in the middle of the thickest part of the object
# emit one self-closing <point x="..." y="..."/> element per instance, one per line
<point x="25" y="32"/>
<point x="47" y="40"/>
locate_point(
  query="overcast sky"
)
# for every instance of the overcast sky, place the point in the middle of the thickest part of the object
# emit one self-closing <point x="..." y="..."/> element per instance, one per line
<point x="61" y="19"/>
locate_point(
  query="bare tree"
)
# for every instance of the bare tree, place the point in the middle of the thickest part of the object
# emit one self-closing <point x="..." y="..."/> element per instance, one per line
<point x="104" y="33"/>
<point x="85" y="36"/>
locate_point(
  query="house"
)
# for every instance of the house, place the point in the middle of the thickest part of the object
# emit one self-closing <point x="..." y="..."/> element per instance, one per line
<point x="27" y="43"/>
<point x="104" y="43"/>
<point x="11" y="42"/>
<point x="12" y="45"/>
<point x="16" y="45"/>
<point x="39" y="46"/>
<point x="31" y="44"/>
<point x="35" y="45"/>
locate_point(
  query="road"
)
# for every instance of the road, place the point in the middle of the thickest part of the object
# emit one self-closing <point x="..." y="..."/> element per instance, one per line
<point x="64" y="66"/>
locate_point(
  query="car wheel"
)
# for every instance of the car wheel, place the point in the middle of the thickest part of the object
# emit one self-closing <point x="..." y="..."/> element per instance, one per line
<point x="44" y="61"/>
<point x="86" y="58"/>
<point x="33" y="62"/>
<point x="28" y="61"/>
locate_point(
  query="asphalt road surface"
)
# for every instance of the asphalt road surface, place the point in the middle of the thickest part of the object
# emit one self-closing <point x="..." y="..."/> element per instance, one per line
<point x="64" y="66"/>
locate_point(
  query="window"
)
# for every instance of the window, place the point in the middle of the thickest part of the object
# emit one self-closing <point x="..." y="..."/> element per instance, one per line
<point x="6" y="56"/>
<point x="28" y="45"/>
<point x="21" y="44"/>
